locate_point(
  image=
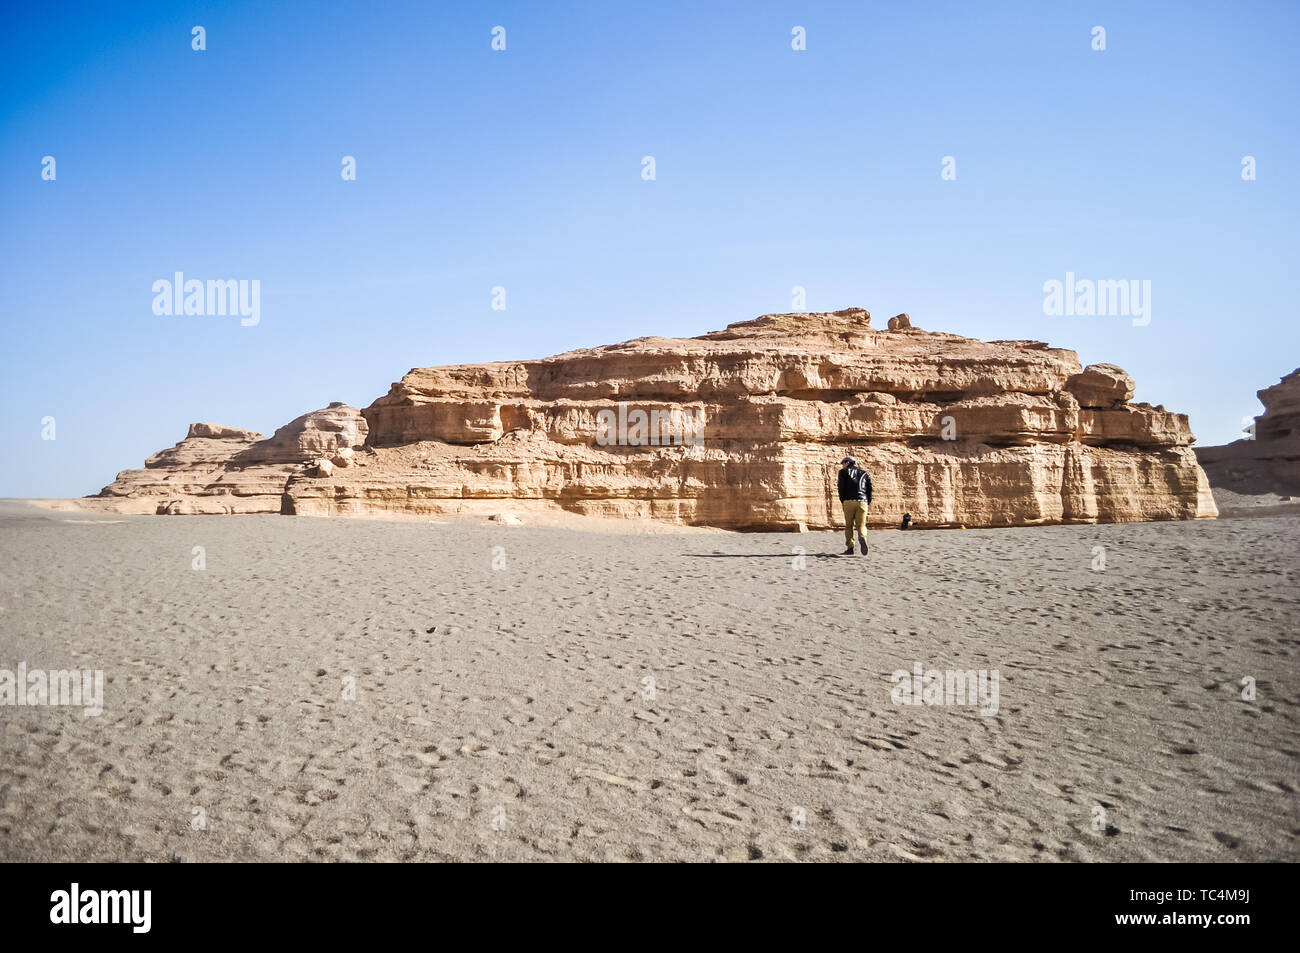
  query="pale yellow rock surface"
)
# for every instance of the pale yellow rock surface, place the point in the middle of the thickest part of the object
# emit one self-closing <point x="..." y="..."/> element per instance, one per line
<point x="783" y="398"/>
<point x="746" y="428"/>
<point x="218" y="469"/>
<point x="318" y="434"/>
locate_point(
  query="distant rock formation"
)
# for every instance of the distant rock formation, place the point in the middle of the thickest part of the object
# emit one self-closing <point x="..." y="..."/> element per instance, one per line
<point x="1269" y="464"/>
<point x="218" y="469"/>
<point x="741" y="428"/>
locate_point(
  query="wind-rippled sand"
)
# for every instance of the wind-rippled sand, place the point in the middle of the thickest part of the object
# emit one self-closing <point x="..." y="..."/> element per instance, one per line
<point x="520" y="729"/>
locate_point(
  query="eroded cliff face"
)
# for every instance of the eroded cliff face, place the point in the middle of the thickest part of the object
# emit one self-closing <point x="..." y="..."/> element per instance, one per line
<point x="218" y="469"/>
<point x="743" y="428"/>
<point x="1269" y="464"/>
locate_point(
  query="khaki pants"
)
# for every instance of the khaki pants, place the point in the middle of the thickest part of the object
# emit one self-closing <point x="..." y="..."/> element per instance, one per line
<point x="855" y="519"/>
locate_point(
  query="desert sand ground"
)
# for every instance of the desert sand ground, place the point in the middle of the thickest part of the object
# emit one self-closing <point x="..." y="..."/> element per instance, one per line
<point x="521" y="728"/>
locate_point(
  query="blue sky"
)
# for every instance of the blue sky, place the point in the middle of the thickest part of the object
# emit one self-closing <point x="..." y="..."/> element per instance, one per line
<point x="476" y="168"/>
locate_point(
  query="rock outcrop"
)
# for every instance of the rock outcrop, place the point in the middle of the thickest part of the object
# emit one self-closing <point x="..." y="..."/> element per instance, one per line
<point x="218" y="469"/>
<point x="742" y="428"/>
<point x="320" y="433"/>
<point x="1270" y="463"/>
<point x="752" y="421"/>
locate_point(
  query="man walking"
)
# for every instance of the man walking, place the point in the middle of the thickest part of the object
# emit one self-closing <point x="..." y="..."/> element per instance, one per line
<point x="855" y="495"/>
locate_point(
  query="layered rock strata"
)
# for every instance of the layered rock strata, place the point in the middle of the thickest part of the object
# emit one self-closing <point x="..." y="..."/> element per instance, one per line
<point x="742" y="429"/>
<point x="1270" y="463"/>
<point x="753" y="421"/>
<point x="218" y="469"/>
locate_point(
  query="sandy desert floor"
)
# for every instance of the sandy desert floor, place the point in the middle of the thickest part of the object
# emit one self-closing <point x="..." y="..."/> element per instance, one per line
<point x="522" y="728"/>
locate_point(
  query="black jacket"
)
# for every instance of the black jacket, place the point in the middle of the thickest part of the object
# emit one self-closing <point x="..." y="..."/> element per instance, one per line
<point x="855" y="485"/>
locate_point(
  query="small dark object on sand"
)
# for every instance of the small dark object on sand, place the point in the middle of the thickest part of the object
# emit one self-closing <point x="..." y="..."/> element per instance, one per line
<point x="907" y="521"/>
<point x="432" y="630"/>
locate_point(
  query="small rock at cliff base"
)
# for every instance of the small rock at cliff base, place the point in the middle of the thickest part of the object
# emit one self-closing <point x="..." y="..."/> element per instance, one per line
<point x="900" y="322"/>
<point x="508" y="518"/>
<point x="343" y="457"/>
<point x="324" y="468"/>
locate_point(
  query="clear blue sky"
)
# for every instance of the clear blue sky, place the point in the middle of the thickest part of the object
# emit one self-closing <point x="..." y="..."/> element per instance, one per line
<point x="522" y="168"/>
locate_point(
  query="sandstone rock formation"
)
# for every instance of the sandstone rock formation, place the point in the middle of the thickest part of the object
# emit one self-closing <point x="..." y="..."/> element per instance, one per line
<point x="742" y="428"/>
<point x="218" y="469"/>
<point x="318" y="434"/>
<point x="1269" y="464"/>
<point x="1035" y="437"/>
